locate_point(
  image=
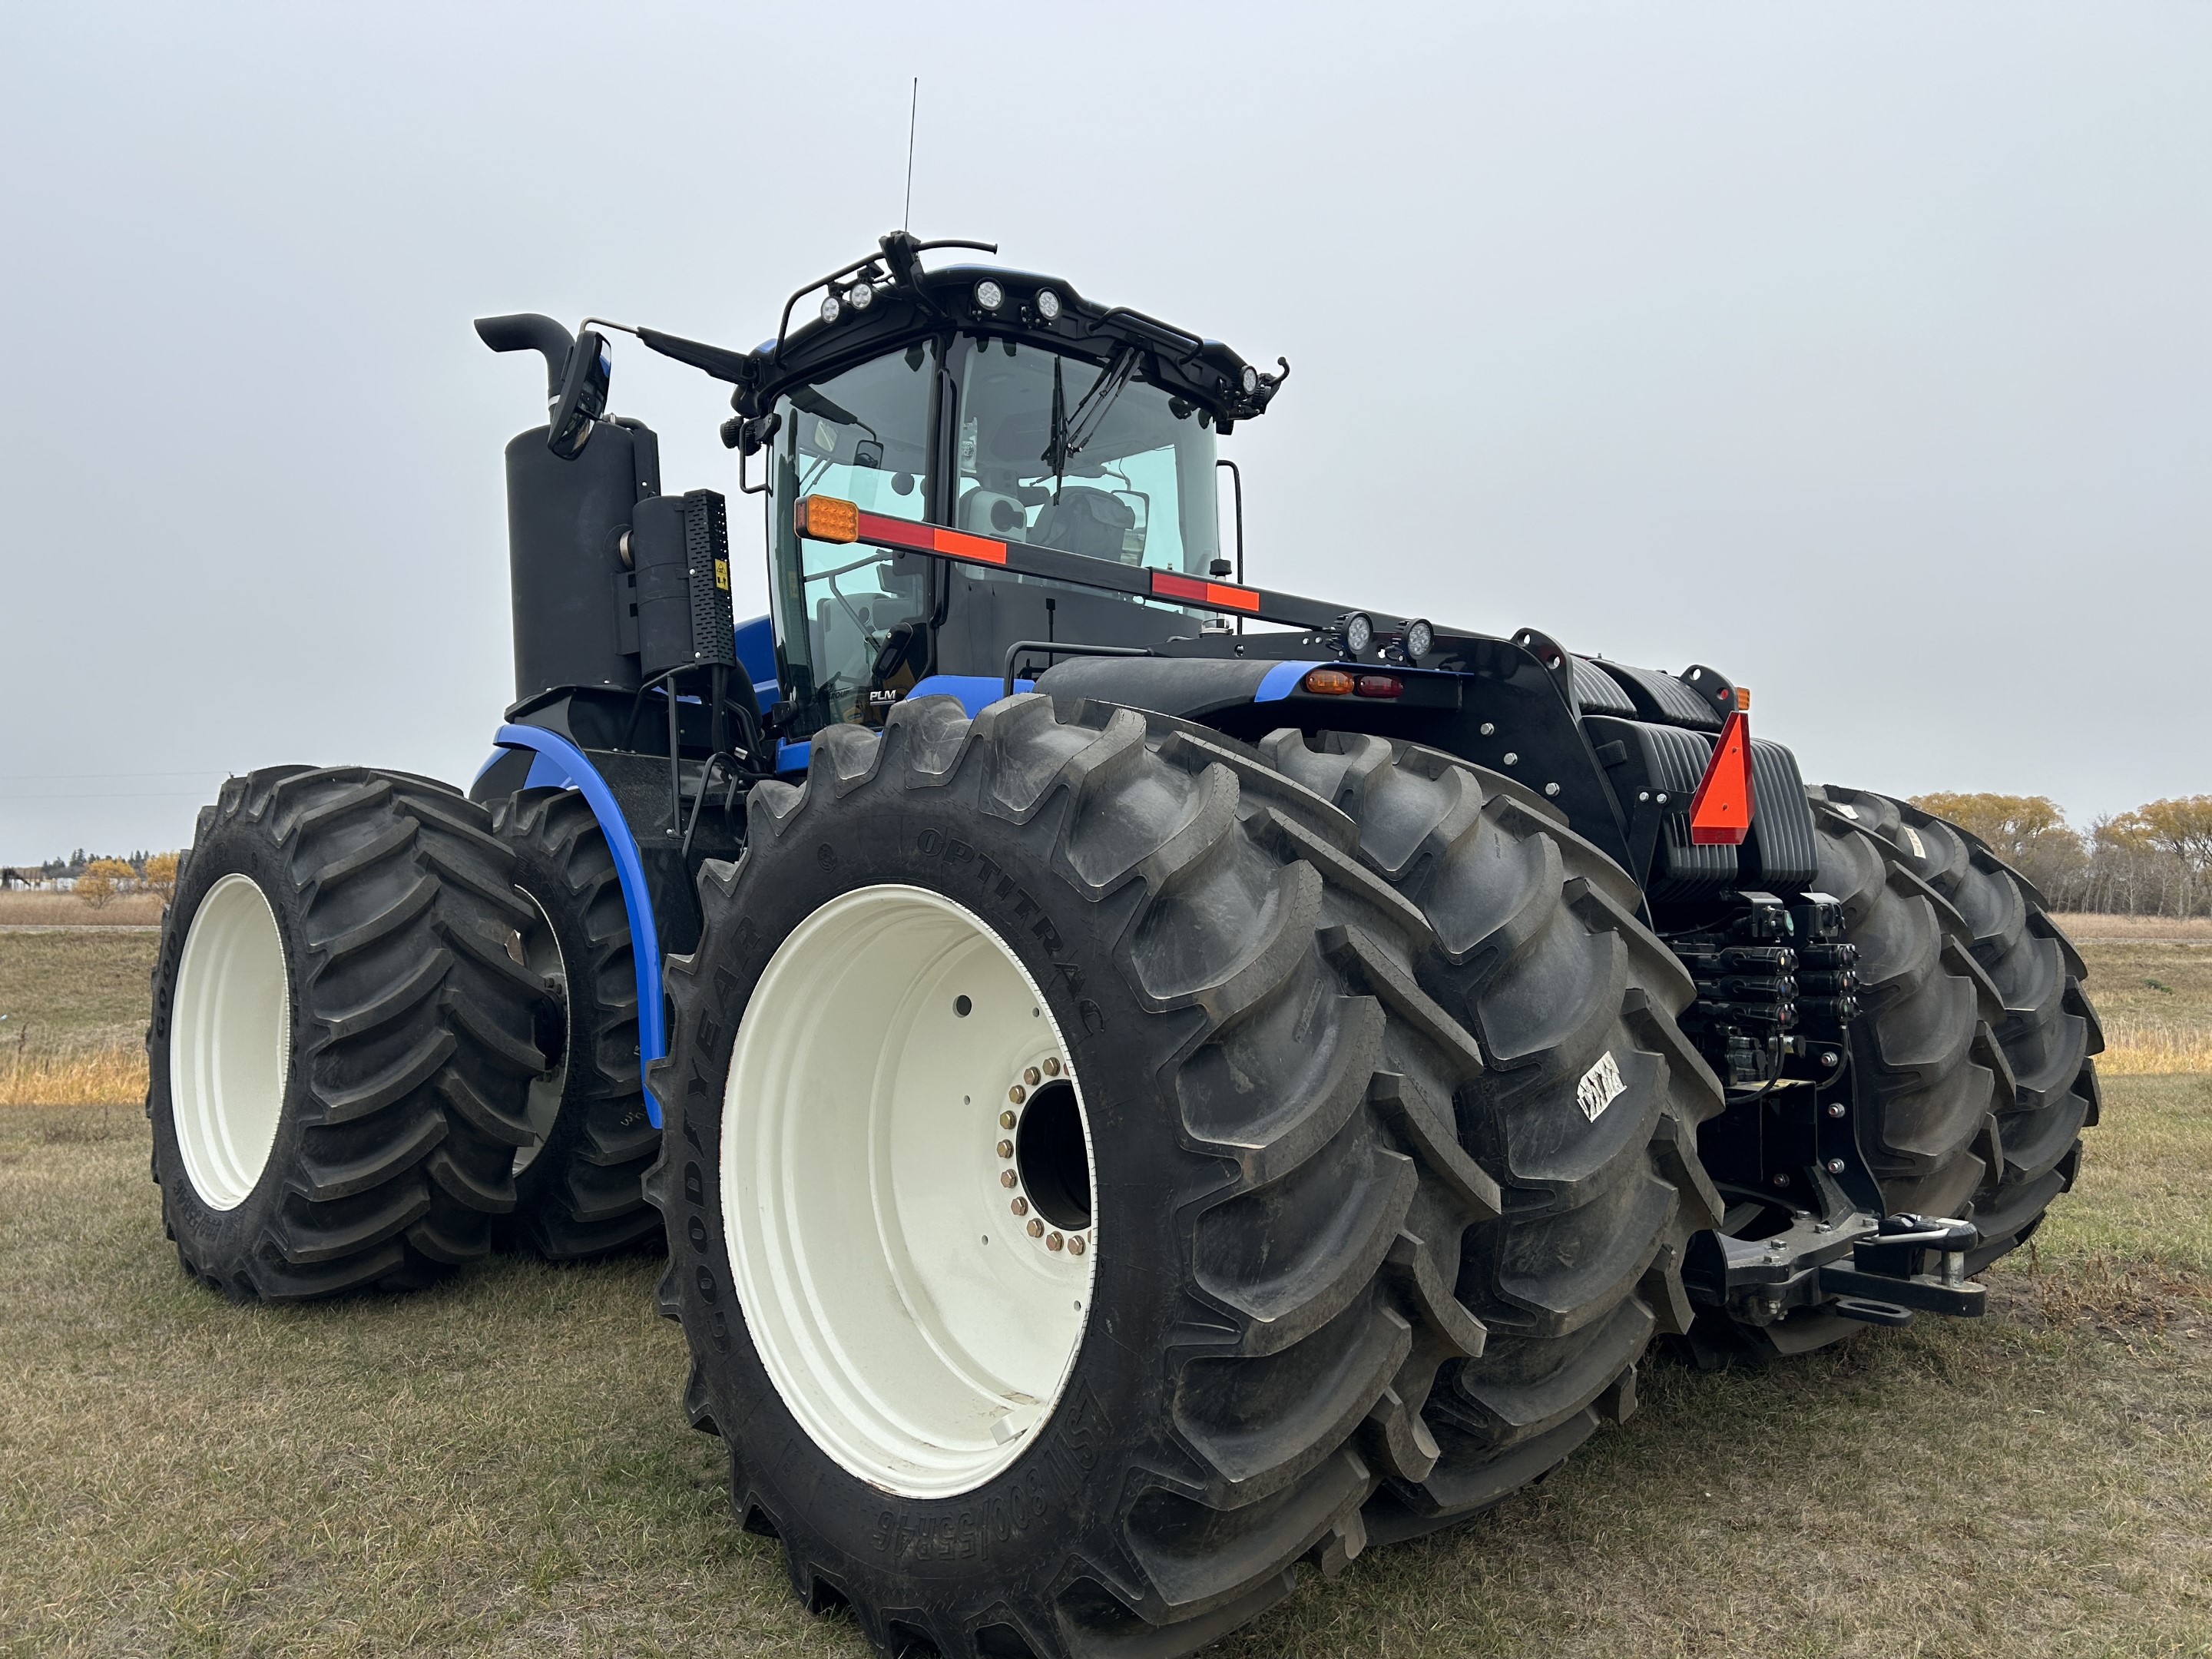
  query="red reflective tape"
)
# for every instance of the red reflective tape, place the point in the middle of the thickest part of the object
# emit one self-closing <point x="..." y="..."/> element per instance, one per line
<point x="959" y="545"/>
<point x="1720" y="812"/>
<point x="1220" y="595"/>
<point x="931" y="538"/>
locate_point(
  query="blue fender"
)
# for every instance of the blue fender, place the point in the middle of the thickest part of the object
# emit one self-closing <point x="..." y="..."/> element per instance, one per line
<point x="561" y="765"/>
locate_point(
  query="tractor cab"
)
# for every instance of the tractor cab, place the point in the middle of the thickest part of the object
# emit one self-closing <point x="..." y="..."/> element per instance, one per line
<point x="994" y="403"/>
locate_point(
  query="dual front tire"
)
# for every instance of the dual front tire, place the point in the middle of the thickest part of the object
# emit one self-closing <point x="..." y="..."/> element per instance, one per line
<point x="1313" y="1304"/>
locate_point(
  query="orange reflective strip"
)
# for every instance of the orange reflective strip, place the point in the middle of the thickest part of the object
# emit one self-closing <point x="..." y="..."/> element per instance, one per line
<point x="1720" y="812"/>
<point x="1221" y="595"/>
<point x="931" y="538"/>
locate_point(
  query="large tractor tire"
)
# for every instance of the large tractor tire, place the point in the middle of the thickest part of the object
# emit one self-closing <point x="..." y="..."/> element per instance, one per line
<point x="1068" y="1221"/>
<point x="1533" y="945"/>
<point x="579" y="1185"/>
<point x="342" y="1038"/>
<point x="1974" y="1046"/>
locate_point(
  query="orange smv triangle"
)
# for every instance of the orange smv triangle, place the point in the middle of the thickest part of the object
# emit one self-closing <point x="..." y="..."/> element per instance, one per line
<point x="1720" y="812"/>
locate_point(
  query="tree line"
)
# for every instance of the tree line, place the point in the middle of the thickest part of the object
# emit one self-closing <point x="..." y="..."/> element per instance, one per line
<point x="2155" y="860"/>
<point x="101" y="880"/>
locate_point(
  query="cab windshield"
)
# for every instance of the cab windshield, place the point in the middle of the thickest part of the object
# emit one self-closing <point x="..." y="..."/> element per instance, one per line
<point x="1057" y="452"/>
<point x="1061" y="453"/>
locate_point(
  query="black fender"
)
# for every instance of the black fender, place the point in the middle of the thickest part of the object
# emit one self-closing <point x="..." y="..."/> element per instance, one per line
<point x="1497" y="705"/>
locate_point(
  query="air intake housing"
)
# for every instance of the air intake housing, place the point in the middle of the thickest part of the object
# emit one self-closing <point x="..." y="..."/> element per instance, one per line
<point x="680" y="548"/>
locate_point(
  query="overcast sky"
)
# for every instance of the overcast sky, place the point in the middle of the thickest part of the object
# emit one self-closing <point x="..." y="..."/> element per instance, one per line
<point x="1864" y="351"/>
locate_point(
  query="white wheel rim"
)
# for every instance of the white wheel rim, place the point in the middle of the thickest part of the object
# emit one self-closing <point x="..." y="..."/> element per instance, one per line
<point x="909" y="1318"/>
<point x="230" y="1041"/>
<point x="540" y="954"/>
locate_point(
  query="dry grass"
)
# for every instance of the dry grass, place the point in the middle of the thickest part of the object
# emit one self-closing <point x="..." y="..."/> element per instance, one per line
<point x="22" y="909"/>
<point x="2154" y="1000"/>
<point x="2080" y="925"/>
<point x="2136" y="1047"/>
<point x="72" y="1074"/>
<point x="75" y="1016"/>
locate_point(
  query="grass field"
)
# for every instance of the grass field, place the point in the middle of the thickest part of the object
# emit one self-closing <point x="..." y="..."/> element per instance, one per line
<point x="38" y="909"/>
<point x="499" y="1467"/>
<point x="74" y="1002"/>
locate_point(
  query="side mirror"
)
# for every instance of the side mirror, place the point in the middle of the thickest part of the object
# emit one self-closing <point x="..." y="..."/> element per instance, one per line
<point x="582" y="398"/>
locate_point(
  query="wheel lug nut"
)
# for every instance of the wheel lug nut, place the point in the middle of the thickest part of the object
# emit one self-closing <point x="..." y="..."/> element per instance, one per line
<point x="1075" y="1245"/>
<point x="1052" y="1066"/>
<point x="1032" y="1076"/>
<point x="1036" y="1228"/>
<point x="1006" y="1149"/>
<point x="1005" y="1120"/>
<point x="1021" y="1207"/>
<point x="1018" y="1094"/>
<point x="1007" y="1177"/>
<point x="1053" y="1241"/>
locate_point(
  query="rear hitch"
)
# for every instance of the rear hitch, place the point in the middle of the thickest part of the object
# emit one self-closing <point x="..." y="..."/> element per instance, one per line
<point x="1878" y="1270"/>
<point x="1758" y="1281"/>
<point x="1890" y="1272"/>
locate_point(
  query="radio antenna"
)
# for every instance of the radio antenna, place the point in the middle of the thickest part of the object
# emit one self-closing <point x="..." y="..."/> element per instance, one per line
<point x="913" y="108"/>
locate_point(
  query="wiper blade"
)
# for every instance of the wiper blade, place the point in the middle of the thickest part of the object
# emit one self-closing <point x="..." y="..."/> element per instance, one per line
<point x="1071" y="433"/>
<point x="1091" y="413"/>
<point x="806" y="397"/>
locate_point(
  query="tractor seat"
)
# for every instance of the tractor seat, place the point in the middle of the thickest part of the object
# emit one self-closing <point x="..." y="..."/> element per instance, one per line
<point x="1089" y="521"/>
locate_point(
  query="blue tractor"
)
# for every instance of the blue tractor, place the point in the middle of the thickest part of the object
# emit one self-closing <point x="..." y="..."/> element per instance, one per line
<point x="1144" y="1080"/>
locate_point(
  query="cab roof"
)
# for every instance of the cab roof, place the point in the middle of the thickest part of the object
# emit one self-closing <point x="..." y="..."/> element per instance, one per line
<point x="905" y="302"/>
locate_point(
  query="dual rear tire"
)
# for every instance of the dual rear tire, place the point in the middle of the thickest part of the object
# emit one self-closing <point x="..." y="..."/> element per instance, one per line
<point x="1976" y="1050"/>
<point x="343" y="1035"/>
<point x="392" y="1029"/>
<point x="578" y="1191"/>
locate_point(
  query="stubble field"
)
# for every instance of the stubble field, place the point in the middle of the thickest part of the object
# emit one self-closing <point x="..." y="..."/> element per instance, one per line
<point x="499" y="1466"/>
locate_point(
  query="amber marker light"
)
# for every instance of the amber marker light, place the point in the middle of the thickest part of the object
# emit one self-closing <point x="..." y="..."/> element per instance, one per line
<point x="1743" y="699"/>
<point x="1327" y="682"/>
<point x="826" y="519"/>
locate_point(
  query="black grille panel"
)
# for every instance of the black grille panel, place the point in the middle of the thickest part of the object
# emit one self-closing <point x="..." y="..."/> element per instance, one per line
<point x="1645" y="758"/>
<point x="1781" y="853"/>
<point x="1662" y="698"/>
<point x="1598" y="692"/>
